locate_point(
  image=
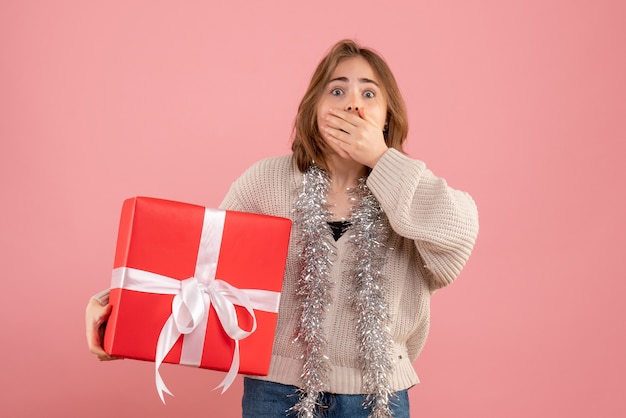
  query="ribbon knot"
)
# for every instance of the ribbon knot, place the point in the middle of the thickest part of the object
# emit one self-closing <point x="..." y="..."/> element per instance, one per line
<point x="188" y="307"/>
<point x="190" y="312"/>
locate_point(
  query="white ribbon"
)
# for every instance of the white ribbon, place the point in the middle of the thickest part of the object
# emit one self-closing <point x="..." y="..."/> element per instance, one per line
<point x="192" y="300"/>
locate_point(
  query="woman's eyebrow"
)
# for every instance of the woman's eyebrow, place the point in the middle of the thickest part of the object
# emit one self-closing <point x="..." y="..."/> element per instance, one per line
<point x="362" y="80"/>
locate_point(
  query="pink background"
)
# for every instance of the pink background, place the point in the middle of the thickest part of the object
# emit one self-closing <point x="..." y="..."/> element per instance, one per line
<point x="522" y="103"/>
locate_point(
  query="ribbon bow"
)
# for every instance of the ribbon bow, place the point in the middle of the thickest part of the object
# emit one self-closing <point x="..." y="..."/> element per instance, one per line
<point x="192" y="299"/>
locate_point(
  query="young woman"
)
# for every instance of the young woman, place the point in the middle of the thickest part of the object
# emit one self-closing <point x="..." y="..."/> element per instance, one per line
<point x="375" y="234"/>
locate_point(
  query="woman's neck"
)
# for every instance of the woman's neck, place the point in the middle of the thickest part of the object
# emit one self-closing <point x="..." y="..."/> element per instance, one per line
<point x="344" y="173"/>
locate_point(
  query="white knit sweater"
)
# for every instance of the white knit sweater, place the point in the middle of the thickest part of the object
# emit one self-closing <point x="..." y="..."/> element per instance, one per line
<point x="433" y="232"/>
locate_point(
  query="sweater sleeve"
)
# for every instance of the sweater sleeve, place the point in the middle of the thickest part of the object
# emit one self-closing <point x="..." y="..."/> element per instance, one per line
<point x="102" y="297"/>
<point x="234" y="199"/>
<point x="442" y="222"/>
<point x="263" y="188"/>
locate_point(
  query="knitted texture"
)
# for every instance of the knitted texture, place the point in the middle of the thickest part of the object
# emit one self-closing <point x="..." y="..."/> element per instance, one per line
<point x="432" y="232"/>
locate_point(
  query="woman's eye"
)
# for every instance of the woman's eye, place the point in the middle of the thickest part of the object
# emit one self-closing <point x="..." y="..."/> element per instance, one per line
<point x="369" y="94"/>
<point x="336" y="92"/>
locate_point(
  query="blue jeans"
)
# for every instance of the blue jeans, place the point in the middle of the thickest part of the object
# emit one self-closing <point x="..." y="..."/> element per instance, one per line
<point x="263" y="399"/>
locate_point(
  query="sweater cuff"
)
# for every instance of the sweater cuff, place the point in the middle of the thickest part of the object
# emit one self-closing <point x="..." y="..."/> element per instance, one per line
<point x="102" y="297"/>
<point x="389" y="171"/>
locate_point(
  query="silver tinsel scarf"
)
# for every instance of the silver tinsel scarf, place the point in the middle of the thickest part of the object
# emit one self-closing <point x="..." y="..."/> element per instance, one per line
<point x="367" y="236"/>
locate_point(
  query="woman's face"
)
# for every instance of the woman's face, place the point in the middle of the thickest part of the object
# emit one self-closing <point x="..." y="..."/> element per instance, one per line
<point x="354" y="87"/>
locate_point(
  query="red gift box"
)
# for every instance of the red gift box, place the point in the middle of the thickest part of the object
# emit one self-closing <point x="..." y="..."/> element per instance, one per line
<point x="196" y="286"/>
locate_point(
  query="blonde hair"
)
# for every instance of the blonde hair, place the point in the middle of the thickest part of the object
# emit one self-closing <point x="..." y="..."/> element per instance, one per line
<point x="308" y="144"/>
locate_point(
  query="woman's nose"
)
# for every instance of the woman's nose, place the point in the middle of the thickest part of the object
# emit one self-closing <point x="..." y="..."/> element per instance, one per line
<point x="353" y="103"/>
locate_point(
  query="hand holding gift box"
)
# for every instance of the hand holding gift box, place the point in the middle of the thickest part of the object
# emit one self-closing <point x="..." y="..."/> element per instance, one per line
<point x="196" y="286"/>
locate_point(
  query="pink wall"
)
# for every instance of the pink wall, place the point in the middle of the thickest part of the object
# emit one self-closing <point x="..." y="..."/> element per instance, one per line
<point x="522" y="103"/>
